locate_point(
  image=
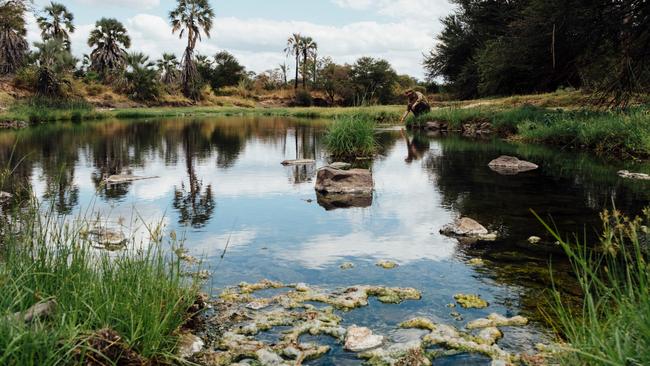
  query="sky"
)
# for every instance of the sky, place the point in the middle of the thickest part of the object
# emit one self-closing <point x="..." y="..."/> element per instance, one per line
<point x="255" y="31"/>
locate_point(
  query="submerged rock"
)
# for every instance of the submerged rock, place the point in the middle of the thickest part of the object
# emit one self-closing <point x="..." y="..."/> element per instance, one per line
<point x="353" y="181"/>
<point x="359" y="339"/>
<point x="534" y="239"/>
<point x="386" y="264"/>
<point x="346" y="266"/>
<point x="630" y="175"/>
<point x="299" y="162"/>
<point x="468" y="301"/>
<point x="125" y="178"/>
<point x="510" y="165"/>
<point x="106" y="238"/>
<point x="496" y="320"/>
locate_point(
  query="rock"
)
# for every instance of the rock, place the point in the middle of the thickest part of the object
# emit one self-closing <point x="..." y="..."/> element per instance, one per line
<point x="436" y="126"/>
<point x="386" y="264"/>
<point x="302" y="287"/>
<point x="346" y="265"/>
<point x="476" y="262"/>
<point x="341" y="201"/>
<point x="496" y="320"/>
<point x="258" y="305"/>
<point x="476" y="129"/>
<point x="629" y="175"/>
<point x="464" y="227"/>
<point x="468" y="301"/>
<point x="340" y="165"/>
<point x="353" y="181"/>
<point x="106" y="238"/>
<point x="4" y="196"/>
<point x="268" y="358"/>
<point x="510" y="165"/>
<point x="188" y="345"/>
<point x="13" y="124"/>
<point x="534" y="239"/>
<point x="489" y="335"/>
<point x="125" y="178"/>
<point x="409" y="353"/>
<point x="359" y="339"/>
<point x="299" y="162"/>
<point x="38" y="311"/>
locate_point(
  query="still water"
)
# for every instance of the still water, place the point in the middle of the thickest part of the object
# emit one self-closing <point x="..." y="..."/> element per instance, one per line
<point x="220" y="186"/>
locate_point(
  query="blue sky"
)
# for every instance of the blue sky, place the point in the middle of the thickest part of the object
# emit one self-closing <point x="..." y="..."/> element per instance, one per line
<point x="256" y="30"/>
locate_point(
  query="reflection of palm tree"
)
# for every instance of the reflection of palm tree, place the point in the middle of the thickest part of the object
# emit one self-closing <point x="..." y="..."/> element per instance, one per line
<point x="195" y="206"/>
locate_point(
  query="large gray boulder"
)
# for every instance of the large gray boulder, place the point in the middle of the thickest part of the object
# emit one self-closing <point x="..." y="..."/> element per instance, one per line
<point x="337" y="181"/>
<point x="510" y="165"/>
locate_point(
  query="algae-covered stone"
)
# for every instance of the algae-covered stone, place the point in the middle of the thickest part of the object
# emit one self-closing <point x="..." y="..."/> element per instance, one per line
<point x="489" y="335"/>
<point x="247" y="288"/>
<point x="387" y="264"/>
<point x="468" y="301"/>
<point x="496" y="320"/>
<point x="359" y="339"/>
<point x="346" y="265"/>
<point x="418" y="323"/>
<point x="410" y="353"/>
<point x="476" y="262"/>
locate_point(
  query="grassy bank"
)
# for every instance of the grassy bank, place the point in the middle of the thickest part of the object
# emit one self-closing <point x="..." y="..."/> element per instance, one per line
<point x="626" y="134"/>
<point x="114" y="308"/>
<point x="612" y="327"/>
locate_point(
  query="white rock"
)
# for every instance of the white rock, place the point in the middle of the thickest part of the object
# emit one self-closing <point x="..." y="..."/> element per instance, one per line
<point x="359" y="339"/>
<point x="189" y="344"/>
<point x="629" y="175"/>
<point x="534" y="239"/>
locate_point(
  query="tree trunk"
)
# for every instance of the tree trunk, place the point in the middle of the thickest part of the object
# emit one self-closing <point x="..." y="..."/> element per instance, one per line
<point x="297" y="68"/>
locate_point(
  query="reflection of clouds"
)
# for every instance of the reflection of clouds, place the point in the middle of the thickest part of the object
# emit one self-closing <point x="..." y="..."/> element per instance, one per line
<point x="402" y="224"/>
<point x="214" y="245"/>
<point x="325" y="250"/>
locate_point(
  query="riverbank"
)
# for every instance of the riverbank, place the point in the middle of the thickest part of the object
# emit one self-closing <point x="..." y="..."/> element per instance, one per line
<point x="66" y="302"/>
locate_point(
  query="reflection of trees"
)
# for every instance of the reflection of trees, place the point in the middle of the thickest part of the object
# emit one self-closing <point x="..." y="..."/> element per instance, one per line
<point x="305" y="146"/>
<point x="228" y="146"/>
<point x="195" y="205"/>
<point x="60" y="189"/>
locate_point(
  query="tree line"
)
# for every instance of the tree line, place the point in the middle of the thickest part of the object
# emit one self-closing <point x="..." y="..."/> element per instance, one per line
<point x="50" y="68"/>
<point x="493" y="47"/>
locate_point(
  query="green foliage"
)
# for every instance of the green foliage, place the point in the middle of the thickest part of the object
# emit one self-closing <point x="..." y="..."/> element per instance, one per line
<point x="373" y="81"/>
<point x="109" y="40"/>
<point x="503" y="48"/>
<point x="54" y="68"/>
<point x="612" y="326"/>
<point x="227" y="71"/>
<point x="303" y="99"/>
<point x="140" y="78"/>
<point x="352" y="136"/>
<point x="13" y="36"/>
<point x="139" y="294"/>
<point x="56" y="23"/>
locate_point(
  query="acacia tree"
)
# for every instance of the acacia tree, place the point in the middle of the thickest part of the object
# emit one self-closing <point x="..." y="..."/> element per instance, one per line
<point x="294" y="47"/>
<point x="191" y="17"/>
<point x="13" y="35"/>
<point x="56" y="23"/>
<point x="110" y="40"/>
<point x="308" y="48"/>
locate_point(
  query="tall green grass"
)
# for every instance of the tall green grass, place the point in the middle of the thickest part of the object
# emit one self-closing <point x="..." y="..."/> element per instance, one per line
<point x="140" y="294"/>
<point x="350" y="137"/>
<point x="613" y="325"/>
<point x="39" y="110"/>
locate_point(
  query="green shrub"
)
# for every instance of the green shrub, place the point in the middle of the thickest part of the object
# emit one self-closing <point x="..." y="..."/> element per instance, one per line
<point x="351" y="137"/>
<point x="303" y="99"/>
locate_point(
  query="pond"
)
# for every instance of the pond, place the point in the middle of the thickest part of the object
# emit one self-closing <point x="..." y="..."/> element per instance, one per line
<point x="220" y="186"/>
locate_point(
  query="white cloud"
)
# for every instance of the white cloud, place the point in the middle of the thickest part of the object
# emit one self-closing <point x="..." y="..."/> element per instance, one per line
<point x="132" y="4"/>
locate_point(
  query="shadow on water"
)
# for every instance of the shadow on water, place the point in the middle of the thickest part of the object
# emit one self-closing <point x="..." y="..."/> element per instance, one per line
<point x="221" y="184"/>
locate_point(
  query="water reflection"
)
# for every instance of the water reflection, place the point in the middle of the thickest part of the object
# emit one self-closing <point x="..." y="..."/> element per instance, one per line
<point x="222" y="186"/>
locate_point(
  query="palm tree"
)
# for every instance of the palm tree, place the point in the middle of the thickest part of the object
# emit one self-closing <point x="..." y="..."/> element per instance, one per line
<point x="56" y="24"/>
<point x="307" y="47"/>
<point x="283" y="70"/>
<point x="110" y="40"/>
<point x="140" y="79"/>
<point x="168" y="68"/>
<point x="54" y="62"/>
<point x="191" y="17"/>
<point x="293" y="48"/>
<point x="13" y="36"/>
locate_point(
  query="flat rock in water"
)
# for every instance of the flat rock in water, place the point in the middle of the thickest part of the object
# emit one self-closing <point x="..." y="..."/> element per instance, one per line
<point x="125" y="178"/>
<point x="510" y="165"/>
<point x="359" y="339"/>
<point x="299" y="162"/>
<point x="340" y="165"/>
<point x="464" y="227"/>
<point x="353" y="181"/>
<point x="629" y="175"/>
<point x="107" y="238"/>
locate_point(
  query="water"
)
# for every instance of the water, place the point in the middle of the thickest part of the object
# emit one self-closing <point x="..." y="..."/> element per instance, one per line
<point x="221" y="187"/>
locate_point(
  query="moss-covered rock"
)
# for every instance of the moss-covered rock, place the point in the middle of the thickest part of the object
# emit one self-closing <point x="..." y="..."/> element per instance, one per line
<point x="468" y="301"/>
